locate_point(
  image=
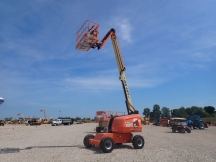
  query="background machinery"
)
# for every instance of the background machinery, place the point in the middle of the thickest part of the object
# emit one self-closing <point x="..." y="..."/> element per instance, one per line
<point x="8" y="120"/>
<point x="195" y="122"/>
<point x="2" y="122"/>
<point x="23" y="121"/>
<point x="34" y="121"/>
<point x="119" y="128"/>
<point x="62" y="120"/>
<point x="103" y="117"/>
<point x="45" y="120"/>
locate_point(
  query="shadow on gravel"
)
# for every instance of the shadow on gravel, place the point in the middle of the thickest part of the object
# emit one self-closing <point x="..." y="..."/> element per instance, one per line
<point x="90" y="132"/>
<point x="17" y="150"/>
<point x="9" y="150"/>
<point x="177" y="133"/>
<point x="97" y="150"/>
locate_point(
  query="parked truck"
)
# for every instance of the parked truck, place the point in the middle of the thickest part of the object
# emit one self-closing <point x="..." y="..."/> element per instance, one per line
<point x="60" y="121"/>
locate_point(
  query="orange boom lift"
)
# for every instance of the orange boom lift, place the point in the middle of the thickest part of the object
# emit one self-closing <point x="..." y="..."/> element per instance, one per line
<point x="120" y="128"/>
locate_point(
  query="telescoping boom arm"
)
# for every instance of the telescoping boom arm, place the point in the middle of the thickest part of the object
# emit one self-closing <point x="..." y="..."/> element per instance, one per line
<point x="111" y="34"/>
<point x="87" y="37"/>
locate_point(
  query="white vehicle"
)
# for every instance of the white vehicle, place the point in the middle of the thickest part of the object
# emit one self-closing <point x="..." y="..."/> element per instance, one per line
<point x="65" y="121"/>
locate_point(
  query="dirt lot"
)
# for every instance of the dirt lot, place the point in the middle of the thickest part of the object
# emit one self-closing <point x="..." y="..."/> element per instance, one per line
<point x="65" y="143"/>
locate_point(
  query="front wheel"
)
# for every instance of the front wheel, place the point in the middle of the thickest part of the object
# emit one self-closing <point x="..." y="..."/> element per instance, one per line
<point x="86" y="140"/>
<point x="107" y="144"/>
<point x="173" y="130"/>
<point x="188" y="130"/>
<point x="138" y="142"/>
<point x="182" y="130"/>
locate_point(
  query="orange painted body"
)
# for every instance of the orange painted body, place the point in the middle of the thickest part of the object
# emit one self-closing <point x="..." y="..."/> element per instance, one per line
<point x="117" y="137"/>
<point x="121" y="129"/>
<point x="127" y="124"/>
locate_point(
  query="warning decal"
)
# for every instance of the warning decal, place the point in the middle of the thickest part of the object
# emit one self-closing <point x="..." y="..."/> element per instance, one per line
<point x="128" y="124"/>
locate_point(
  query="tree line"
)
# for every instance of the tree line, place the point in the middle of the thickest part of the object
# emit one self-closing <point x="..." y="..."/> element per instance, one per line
<point x="157" y="112"/>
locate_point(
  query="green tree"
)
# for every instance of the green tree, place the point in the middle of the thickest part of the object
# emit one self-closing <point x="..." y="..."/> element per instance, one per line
<point x="156" y="112"/>
<point x="189" y="111"/>
<point x="175" y="112"/>
<point x="198" y="111"/>
<point x="165" y="112"/>
<point x="183" y="113"/>
<point x="209" y="109"/>
<point x="152" y="116"/>
<point x="146" y="112"/>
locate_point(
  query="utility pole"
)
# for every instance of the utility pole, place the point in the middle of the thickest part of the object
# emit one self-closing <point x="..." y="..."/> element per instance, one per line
<point x="59" y="113"/>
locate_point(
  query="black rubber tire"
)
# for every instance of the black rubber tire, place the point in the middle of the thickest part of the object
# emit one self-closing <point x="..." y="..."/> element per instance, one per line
<point x="98" y="129"/>
<point x="201" y="125"/>
<point x="173" y="130"/>
<point x="86" y="140"/>
<point x="138" y="142"/>
<point x="182" y="130"/>
<point x="107" y="144"/>
<point x="188" y="130"/>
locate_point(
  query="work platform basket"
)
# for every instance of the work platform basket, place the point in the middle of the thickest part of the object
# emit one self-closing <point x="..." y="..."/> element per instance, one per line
<point x="87" y="36"/>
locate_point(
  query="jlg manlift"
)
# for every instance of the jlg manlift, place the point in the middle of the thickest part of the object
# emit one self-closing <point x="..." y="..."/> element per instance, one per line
<point x="119" y="128"/>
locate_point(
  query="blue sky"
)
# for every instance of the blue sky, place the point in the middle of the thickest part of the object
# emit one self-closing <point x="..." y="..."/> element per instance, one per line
<point x="168" y="47"/>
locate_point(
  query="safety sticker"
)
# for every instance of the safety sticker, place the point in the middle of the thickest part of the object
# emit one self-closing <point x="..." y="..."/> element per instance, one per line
<point x="128" y="124"/>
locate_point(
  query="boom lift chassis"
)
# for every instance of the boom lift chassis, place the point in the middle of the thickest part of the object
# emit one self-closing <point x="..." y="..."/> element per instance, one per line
<point x="119" y="128"/>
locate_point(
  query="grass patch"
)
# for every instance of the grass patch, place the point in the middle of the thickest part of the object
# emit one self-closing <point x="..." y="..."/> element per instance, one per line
<point x="210" y="119"/>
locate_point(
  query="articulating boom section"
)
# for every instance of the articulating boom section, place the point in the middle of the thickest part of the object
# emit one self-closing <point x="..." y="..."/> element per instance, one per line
<point x="111" y="34"/>
<point x="121" y="67"/>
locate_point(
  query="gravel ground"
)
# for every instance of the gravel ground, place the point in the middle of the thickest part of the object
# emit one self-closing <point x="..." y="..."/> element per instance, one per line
<point x="45" y="143"/>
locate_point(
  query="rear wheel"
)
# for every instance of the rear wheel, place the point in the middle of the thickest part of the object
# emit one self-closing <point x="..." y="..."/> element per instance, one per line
<point x="107" y="144"/>
<point x="86" y="140"/>
<point x="173" y="130"/>
<point x="138" y="142"/>
<point x="201" y="125"/>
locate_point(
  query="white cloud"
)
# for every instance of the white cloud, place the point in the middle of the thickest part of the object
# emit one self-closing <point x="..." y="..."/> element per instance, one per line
<point x="125" y="29"/>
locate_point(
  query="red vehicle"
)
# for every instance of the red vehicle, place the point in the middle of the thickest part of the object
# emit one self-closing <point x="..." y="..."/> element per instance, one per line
<point x="181" y="127"/>
<point x="164" y="122"/>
